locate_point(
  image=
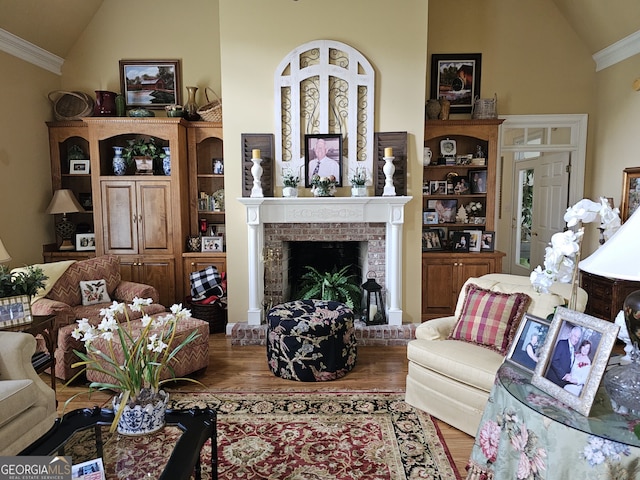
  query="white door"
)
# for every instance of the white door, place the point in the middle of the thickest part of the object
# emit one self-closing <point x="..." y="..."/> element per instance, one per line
<point x="542" y="197"/>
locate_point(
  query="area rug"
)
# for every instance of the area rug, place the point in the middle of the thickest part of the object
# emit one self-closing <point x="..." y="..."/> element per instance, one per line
<point x="318" y="436"/>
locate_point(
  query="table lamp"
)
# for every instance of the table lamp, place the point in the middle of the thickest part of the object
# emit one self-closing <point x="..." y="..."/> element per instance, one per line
<point x="617" y="258"/>
<point x="64" y="202"/>
<point x="5" y="258"/>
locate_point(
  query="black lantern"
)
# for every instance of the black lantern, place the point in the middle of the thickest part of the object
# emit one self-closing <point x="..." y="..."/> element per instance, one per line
<point x="374" y="313"/>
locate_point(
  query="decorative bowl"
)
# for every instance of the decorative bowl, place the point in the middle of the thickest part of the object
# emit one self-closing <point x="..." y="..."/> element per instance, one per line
<point x="141" y="112"/>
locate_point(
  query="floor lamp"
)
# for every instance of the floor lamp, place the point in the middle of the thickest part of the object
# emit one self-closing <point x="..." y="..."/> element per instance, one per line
<point x="618" y="258"/>
<point x="64" y="201"/>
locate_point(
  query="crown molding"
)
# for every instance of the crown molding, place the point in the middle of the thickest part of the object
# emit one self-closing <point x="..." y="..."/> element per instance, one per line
<point x="29" y="52"/>
<point x="617" y="52"/>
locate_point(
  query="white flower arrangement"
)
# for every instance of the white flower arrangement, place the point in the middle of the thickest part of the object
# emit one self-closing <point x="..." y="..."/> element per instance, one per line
<point x="289" y="178"/>
<point x="358" y="177"/>
<point x="474" y="209"/>
<point x="562" y="256"/>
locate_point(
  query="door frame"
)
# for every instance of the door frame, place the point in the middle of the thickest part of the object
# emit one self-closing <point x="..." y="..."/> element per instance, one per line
<point x="577" y="147"/>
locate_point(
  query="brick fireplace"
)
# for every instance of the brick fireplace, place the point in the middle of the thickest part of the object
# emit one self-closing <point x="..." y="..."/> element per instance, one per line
<point x="377" y="222"/>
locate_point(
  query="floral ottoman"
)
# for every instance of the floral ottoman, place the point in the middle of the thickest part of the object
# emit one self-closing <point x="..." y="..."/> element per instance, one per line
<point x="311" y="340"/>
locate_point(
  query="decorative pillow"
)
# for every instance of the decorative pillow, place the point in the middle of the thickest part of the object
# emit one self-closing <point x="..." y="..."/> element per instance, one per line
<point x="94" y="291"/>
<point x="490" y="319"/>
<point x="66" y="289"/>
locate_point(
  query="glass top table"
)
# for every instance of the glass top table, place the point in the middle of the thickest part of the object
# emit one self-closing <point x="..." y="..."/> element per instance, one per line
<point x="173" y="453"/>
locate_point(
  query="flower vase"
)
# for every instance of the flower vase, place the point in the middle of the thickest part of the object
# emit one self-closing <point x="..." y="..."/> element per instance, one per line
<point x="323" y="191"/>
<point x="358" y="191"/>
<point x="191" y="107"/>
<point x="119" y="165"/>
<point x="290" y="192"/>
<point x="144" y="418"/>
<point x="166" y="161"/>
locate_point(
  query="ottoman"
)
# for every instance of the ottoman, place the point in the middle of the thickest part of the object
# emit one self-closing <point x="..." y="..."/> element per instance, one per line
<point x="311" y="340"/>
<point x="193" y="356"/>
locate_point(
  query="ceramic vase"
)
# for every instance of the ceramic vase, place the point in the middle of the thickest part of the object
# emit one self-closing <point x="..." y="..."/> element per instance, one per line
<point x="289" y="191"/>
<point x="166" y="161"/>
<point x="191" y="107"/>
<point x="433" y="109"/>
<point x="358" y="191"/>
<point x="119" y="165"/>
<point x="142" y="419"/>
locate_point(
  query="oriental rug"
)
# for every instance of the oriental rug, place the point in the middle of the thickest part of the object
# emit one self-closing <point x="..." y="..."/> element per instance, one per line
<point x="297" y="436"/>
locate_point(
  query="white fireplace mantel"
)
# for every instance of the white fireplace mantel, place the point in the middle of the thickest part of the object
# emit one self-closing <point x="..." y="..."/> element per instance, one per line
<point x="388" y="210"/>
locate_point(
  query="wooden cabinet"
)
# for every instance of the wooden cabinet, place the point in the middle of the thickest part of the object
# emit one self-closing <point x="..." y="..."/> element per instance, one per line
<point x="606" y="295"/>
<point x="50" y="253"/>
<point x="194" y="262"/>
<point x="151" y="270"/>
<point x="461" y="184"/>
<point x="443" y="275"/>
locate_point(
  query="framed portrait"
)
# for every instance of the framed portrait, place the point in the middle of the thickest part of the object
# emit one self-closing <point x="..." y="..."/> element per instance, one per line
<point x="323" y="156"/>
<point x="456" y="77"/>
<point x="528" y="341"/>
<point x="460" y="241"/>
<point x="446" y="209"/>
<point x="426" y="190"/>
<point x="213" y="243"/>
<point x="430" y="217"/>
<point x="475" y="238"/>
<point x="478" y="181"/>
<point x="151" y="84"/>
<point x="574" y="377"/>
<point x="85" y="241"/>
<point x="438" y="187"/>
<point x="487" y="241"/>
<point x="461" y="185"/>
<point x="431" y="240"/>
<point x="444" y="238"/>
<point x="79" y="167"/>
<point x="86" y="201"/>
<point x="15" y="311"/>
<point x="630" y="192"/>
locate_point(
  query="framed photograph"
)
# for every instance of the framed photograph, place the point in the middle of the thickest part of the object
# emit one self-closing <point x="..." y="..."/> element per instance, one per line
<point x="431" y="240"/>
<point x="630" y="192"/>
<point x="438" y="187"/>
<point x="79" y="167"/>
<point x="475" y="238"/>
<point x="478" y="181"/>
<point x="487" y="241"/>
<point x="456" y="77"/>
<point x="460" y="241"/>
<point x="151" y="84"/>
<point x="444" y="238"/>
<point x="323" y="156"/>
<point x="430" y="217"/>
<point x="426" y="190"/>
<point x="15" y="311"/>
<point x="572" y="374"/>
<point x="85" y="241"/>
<point x="446" y="209"/>
<point x="212" y="244"/>
<point x="86" y="201"/>
<point x="528" y="341"/>
<point x="460" y="185"/>
<point x="91" y="469"/>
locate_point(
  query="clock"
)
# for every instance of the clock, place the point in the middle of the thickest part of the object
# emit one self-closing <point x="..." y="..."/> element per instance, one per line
<point x="447" y="148"/>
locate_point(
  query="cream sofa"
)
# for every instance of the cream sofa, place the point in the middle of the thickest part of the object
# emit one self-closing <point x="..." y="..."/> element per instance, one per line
<point x="451" y="379"/>
<point x="27" y="404"/>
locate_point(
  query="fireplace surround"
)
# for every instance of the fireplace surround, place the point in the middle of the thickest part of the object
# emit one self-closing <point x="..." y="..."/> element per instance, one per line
<point x="313" y="218"/>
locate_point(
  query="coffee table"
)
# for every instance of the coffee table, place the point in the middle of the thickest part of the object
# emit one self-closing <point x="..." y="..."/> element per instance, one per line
<point x="173" y="453"/>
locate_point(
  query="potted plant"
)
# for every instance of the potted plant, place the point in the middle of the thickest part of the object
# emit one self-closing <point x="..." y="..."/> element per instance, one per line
<point x="290" y="184"/>
<point x="358" y="182"/>
<point x="142" y="152"/>
<point x="336" y="285"/>
<point x="323" y="186"/>
<point x="25" y="281"/>
<point x="134" y="354"/>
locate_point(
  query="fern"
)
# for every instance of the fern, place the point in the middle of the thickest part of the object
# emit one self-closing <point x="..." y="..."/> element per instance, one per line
<point x="337" y="286"/>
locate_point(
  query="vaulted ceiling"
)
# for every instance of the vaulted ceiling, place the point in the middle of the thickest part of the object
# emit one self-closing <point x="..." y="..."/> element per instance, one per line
<point x="55" y="25"/>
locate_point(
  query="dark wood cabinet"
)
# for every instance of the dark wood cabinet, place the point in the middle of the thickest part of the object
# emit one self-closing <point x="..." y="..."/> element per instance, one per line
<point x="606" y="295"/>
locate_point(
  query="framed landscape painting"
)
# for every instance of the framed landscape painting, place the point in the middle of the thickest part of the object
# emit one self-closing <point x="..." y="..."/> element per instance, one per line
<point x="630" y="192"/>
<point x="456" y="77"/>
<point x="151" y="84"/>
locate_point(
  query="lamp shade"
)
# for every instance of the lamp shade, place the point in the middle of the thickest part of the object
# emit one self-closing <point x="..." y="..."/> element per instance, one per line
<point x="4" y="255"/>
<point x="618" y="257"/>
<point x="64" y="201"/>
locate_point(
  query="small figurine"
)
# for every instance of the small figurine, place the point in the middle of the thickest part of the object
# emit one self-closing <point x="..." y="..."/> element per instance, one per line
<point x="479" y="152"/>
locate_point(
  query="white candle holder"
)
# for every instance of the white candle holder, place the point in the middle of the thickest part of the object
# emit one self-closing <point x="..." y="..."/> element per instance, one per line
<point x="256" y="171"/>
<point x="389" y="169"/>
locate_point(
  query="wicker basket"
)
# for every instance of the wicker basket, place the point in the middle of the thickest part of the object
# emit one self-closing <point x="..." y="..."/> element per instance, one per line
<point x="485" y="108"/>
<point x="212" y="111"/>
<point x="70" y="105"/>
<point x="214" y="313"/>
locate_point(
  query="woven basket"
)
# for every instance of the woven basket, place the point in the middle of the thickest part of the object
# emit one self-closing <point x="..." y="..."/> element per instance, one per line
<point x="485" y="108"/>
<point x="212" y="111"/>
<point x="213" y="313"/>
<point x="70" y="105"/>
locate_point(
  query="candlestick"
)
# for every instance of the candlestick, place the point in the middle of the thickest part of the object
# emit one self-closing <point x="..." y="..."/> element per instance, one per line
<point x="373" y="309"/>
<point x="255" y="153"/>
<point x="256" y="172"/>
<point x="388" y="169"/>
<point x="388" y="152"/>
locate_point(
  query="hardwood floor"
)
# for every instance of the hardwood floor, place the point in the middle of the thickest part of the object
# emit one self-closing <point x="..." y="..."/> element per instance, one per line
<point x="244" y="368"/>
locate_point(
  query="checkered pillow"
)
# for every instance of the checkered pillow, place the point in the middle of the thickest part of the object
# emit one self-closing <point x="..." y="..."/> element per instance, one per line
<point x="490" y="319"/>
<point x="206" y="283"/>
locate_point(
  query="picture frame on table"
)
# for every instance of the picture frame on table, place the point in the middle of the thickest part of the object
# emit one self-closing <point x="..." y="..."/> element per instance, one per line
<point x="15" y="311"/>
<point x="431" y="240"/>
<point x="460" y="241"/>
<point x="446" y="209"/>
<point x="151" y="84"/>
<point x="438" y="187"/>
<point x="85" y="242"/>
<point x="444" y="237"/>
<point x="475" y="238"/>
<point x="487" y="241"/>
<point x="86" y="200"/>
<point x="430" y="217"/>
<point x="329" y="147"/>
<point x="576" y="382"/>
<point x="212" y="244"/>
<point x="456" y="77"/>
<point x="630" y="192"/>
<point x="528" y="342"/>
<point x="79" y="167"/>
<point x="478" y="181"/>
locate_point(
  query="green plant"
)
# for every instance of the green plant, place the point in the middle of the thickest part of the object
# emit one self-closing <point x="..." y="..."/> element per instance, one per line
<point x="26" y="281"/>
<point x="359" y="177"/>
<point x="141" y="147"/>
<point x="289" y="179"/>
<point x="335" y="285"/>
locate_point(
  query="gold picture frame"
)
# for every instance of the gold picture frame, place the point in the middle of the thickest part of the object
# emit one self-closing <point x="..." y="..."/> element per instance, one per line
<point x="630" y="192"/>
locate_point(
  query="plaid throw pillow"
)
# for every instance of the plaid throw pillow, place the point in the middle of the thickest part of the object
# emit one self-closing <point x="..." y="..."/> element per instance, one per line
<point x="206" y="283"/>
<point x="490" y="319"/>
